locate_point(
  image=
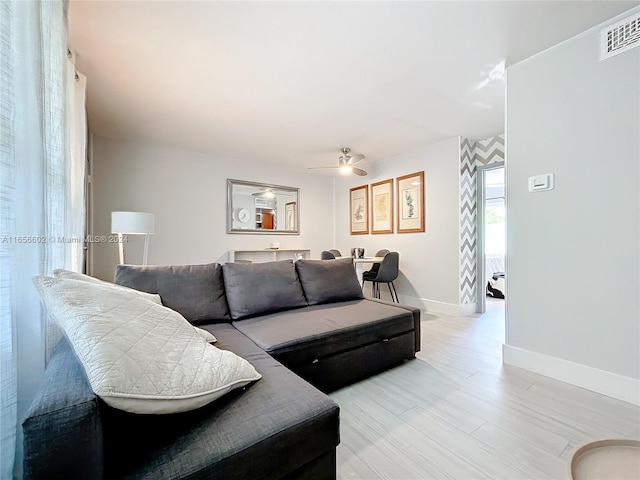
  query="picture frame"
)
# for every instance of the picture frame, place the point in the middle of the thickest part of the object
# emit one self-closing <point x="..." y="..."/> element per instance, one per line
<point x="382" y="207"/>
<point x="410" y="203"/>
<point x="359" y="210"/>
<point x="290" y="216"/>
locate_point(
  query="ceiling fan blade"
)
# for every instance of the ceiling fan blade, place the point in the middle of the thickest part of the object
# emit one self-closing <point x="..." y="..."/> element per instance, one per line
<point x="318" y="168"/>
<point x="358" y="171"/>
<point x="355" y="158"/>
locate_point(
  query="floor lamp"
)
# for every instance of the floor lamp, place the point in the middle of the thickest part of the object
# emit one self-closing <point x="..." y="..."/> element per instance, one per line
<point x="133" y="223"/>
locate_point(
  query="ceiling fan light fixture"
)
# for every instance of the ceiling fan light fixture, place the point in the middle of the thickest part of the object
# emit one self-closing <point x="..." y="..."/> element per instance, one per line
<point x="345" y="162"/>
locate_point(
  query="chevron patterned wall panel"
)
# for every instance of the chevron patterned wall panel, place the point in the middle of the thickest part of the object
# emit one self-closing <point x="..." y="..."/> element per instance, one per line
<point x="472" y="154"/>
<point x="490" y="150"/>
<point x="467" y="222"/>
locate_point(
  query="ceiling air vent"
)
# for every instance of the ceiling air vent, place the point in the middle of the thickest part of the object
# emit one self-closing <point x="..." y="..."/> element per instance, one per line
<point x="620" y="37"/>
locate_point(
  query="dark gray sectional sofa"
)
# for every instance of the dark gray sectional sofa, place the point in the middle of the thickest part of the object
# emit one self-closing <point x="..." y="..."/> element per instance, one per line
<point x="305" y="327"/>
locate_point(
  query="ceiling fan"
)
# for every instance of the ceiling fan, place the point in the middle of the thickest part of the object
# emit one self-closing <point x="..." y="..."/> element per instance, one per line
<point x="346" y="161"/>
<point x="270" y="193"/>
<point x="264" y="192"/>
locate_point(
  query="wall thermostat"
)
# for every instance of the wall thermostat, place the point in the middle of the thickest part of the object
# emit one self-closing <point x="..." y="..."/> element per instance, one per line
<point x="540" y="183"/>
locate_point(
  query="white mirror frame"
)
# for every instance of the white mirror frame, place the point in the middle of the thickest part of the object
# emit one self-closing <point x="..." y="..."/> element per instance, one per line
<point x="231" y="208"/>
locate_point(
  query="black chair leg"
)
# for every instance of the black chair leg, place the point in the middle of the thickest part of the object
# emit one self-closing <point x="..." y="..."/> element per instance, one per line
<point x="391" y="285"/>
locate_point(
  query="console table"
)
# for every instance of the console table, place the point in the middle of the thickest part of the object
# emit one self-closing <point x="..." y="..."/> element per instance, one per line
<point x="268" y="254"/>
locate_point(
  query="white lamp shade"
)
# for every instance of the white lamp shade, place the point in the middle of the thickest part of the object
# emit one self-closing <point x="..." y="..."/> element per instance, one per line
<point x="132" y="223"/>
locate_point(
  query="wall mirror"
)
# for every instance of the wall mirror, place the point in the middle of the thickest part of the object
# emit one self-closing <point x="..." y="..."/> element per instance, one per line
<point x="262" y="208"/>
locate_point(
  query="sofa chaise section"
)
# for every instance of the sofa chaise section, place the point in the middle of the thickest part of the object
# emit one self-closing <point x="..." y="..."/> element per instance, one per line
<point x="255" y="433"/>
<point x="251" y="433"/>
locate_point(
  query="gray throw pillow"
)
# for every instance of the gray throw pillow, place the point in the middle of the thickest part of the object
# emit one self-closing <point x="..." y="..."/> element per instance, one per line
<point x="194" y="291"/>
<point x="327" y="281"/>
<point x="260" y="288"/>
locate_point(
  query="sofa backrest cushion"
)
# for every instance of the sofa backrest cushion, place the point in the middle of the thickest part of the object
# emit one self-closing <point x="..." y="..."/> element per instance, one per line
<point x="327" y="281"/>
<point x="194" y="291"/>
<point x="260" y="288"/>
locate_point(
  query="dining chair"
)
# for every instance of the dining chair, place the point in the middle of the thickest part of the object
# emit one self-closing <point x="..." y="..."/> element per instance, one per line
<point x="327" y="255"/>
<point x="336" y="253"/>
<point x="386" y="273"/>
<point x="376" y="266"/>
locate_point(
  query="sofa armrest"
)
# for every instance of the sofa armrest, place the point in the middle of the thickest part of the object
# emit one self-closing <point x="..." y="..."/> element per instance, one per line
<point x="63" y="428"/>
<point x="414" y="311"/>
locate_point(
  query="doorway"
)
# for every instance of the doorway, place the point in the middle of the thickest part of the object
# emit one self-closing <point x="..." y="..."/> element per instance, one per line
<point x="491" y="232"/>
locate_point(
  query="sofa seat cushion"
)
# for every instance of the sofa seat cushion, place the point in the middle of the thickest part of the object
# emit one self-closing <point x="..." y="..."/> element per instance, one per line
<point x="194" y="291"/>
<point x="255" y="434"/>
<point x="300" y="336"/>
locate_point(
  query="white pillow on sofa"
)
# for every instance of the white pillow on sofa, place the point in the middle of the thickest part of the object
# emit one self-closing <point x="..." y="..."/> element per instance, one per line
<point x="61" y="273"/>
<point x="140" y="356"/>
<point x="153" y="297"/>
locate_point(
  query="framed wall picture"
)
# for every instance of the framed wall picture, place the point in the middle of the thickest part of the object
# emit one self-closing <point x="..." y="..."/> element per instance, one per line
<point x="290" y="216"/>
<point x="359" y="210"/>
<point x="410" y="202"/>
<point x="382" y="207"/>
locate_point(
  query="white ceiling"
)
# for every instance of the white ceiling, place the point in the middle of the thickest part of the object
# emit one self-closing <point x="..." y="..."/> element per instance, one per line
<point x="292" y="82"/>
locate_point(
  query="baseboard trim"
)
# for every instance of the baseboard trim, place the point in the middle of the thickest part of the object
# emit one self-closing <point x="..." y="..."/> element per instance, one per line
<point x="607" y="383"/>
<point x="433" y="305"/>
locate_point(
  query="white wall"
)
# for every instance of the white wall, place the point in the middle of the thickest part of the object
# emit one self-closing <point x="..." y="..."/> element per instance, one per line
<point x="573" y="260"/>
<point x="187" y="193"/>
<point x="429" y="262"/>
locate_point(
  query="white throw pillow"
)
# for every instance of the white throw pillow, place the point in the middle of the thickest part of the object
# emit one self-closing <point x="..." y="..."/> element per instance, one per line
<point x="207" y="336"/>
<point x="153" y="297"/>
<point x="140" y="356"/>
<point x="61" y="273"/>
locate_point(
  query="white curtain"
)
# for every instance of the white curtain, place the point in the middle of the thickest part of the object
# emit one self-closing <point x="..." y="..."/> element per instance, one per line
<point x="8" y="379"/>
<point x="43" y="133"/>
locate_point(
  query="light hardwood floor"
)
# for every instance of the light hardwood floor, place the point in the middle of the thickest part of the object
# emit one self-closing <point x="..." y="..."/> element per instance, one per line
<point x="456" y="412"/>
